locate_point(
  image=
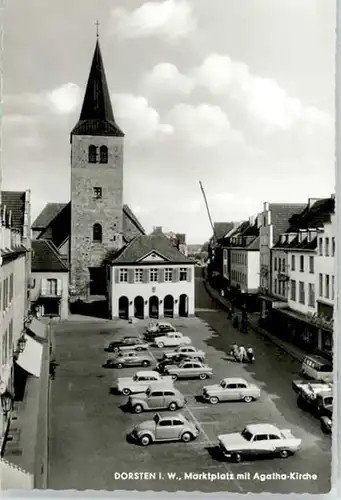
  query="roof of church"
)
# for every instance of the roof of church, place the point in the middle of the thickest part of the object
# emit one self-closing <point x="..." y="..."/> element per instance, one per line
<point x="14" y="201"/>
<point x="142" y="246"/>
<point x="46" y="216"/>
<point x="97" y="117"/>
<point x="46" y="258"/>
<point x="127" y="211"/>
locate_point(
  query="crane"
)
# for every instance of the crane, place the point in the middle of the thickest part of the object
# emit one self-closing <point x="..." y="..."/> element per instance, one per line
<point x="208" y="213"/>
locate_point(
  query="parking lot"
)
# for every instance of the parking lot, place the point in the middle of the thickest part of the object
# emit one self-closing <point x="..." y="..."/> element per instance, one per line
<point x="94" y="423"/>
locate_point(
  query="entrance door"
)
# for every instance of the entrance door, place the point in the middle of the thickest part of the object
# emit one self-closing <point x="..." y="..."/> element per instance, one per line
<point x="139" y="307"/>
<point x="168" y="306"/>
<point x="154" y="307"/>
<point x="183" y="305"/>
<point x="98" y="285"/>
<point x="123" y="307"/>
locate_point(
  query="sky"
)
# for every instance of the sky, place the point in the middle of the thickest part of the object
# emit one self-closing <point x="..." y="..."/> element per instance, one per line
<point x="237" y="94"/>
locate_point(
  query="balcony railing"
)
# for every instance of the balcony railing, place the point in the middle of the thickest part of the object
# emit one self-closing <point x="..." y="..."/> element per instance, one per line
<point x="50" y="292"/>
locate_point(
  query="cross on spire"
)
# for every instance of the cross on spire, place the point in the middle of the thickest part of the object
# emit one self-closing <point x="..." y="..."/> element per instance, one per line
<point x="97" y="25"/>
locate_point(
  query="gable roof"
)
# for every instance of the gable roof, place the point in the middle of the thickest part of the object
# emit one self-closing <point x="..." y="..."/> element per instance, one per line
<point x="46" y="216"/>
<point x="97" y="117"/>
<point x="45" y="257"/>
<point x="14" y="201"/>
<point x="281" y="213"/>
<point x="222" y="228"/>
<point x="128" y="212"/>
<point x="143" y="245"/>
<point x="314" y="216"/>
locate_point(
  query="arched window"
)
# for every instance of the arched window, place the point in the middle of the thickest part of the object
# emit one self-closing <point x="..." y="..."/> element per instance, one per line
<point x="97" y="232"/>
<point x="92" y="154"/>
<point x="103" y="154"/>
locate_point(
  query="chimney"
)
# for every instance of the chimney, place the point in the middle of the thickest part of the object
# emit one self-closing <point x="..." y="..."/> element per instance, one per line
<point x="266" y="206"/>
<point x="332" y="196"/>
<point x="157" y="229"/>
<point x="252" y="220"/>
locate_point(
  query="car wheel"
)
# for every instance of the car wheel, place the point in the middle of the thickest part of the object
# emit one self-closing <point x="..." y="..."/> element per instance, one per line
<point x="172" y="406"/>
<point x="119" y="365"/>
<point x="247" y="399"/>
<point x="174" y="377"/>
<point x="161" y="345"/>
<point x="237" y="457"/>
<point x="116" y="349"/>
<point x="138" y="408"/>
<point x="126" y="392"/>
<point x="186" y="437"/>
<point x="284" y="453"/>
<point x="214" y="400"/>
<point x="145" y="363"/>
<point x="203" y="376"/>
<point x="145" y="440"/>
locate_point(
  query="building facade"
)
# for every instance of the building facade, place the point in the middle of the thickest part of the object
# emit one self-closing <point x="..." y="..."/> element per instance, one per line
<point x="150" y="278"/>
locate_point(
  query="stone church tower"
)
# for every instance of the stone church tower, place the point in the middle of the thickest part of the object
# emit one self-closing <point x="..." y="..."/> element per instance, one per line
<point x="96" y="185"/>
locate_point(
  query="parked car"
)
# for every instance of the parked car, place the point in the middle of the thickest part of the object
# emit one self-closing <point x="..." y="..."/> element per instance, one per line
<point x="160" y="327"/>
<point x="189" y="368"/>
<point x="129" y="358"/>
<point x="127" y="343"/>
<point x="186" y="350"/>
<point x="172" y="339"/>
<point x="258" y="439"/>
<point x="170" y="428"/>
<point x="299" y="385"/>
<point x="158" y="398"/>
<point x="231" y="389"/>
<point x="162" y="365"/>
<point x="140" y="382"/>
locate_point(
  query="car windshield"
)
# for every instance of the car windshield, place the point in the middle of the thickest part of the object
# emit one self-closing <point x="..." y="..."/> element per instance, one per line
<point x="156" y="419"/>
<point x="247" y="434"/>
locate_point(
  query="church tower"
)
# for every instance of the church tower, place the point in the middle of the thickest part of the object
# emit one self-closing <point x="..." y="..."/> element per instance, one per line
<point x="96" y="185"/>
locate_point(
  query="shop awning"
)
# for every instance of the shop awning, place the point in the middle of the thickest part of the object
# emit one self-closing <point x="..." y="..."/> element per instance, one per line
<point x="30" y="359"/>
<point x="14" y="478"/>
<point x="38" y="328"/>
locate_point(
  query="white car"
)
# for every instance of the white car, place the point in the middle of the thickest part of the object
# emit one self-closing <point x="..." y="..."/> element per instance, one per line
<point x="185" y="350"/>
<point x="141" y="381"/>
<point x="172" y="339"/>
<point x="258" y="439"/>
<point x="231" y="389"/>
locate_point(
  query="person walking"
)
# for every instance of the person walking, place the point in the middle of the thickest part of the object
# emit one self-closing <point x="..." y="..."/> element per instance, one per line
<point x="242" y="353"/>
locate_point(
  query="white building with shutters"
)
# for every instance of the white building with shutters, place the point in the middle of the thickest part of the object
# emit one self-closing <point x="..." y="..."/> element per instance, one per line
<point x="50" y="281"/>
<point x="150" y="278"/>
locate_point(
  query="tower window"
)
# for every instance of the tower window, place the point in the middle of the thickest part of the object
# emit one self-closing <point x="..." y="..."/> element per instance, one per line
<point x="97" y="193"/>
<point x="97" y="233"/>
<point x="103" y="154"/>
<point x="92" y="154"/>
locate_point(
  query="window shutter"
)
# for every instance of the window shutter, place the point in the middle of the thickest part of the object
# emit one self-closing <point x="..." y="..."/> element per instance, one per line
<point x="43" y="286"/>
<point x="146" y="275"/>
<point x="59" y="287"/>
<point x="175" y="273"/>
<point x="189" y="274"/>
<point x="130" y="275"/>
<point x="117" y="275"/>
<point x="161" y="275"/>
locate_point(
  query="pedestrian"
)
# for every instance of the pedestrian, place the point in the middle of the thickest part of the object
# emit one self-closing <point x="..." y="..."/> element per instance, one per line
<point x="235" y="321"/>
<point x="242" y="353"/>
<point x="250" y="355"/>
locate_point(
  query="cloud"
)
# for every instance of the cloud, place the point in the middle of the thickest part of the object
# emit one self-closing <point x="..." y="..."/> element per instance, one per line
<point x="65" y="99"/>
<point x="261" y="100"/>
<point x="139" y="120"/>
<point x="170" y="20"/>
<point x="203" y="125"/>
<point x="166" y="78"/>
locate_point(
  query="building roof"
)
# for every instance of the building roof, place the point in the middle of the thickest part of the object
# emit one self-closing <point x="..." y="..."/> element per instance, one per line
<point x="222" y="228"/>
<point x="97" y="117"/>
<point x="45" y="257"/>
<point x="127" y="211"/>
<point x="296" y="244"/>
<point x="46" y="216"/>
<point x="143" y="245"/>
<point x="281" y="213"/>
<point x="14" y="201"/>
<point x="313" y="216"/>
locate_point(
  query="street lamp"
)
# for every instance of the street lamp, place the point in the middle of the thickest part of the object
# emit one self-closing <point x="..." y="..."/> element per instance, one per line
<point x="6" y="402"/>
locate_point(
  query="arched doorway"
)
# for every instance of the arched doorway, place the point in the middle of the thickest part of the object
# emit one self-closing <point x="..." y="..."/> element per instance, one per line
<point x="183" y="305"/>
<point x="154" y="307"/>
<point x="123" y="307"/>
<point x="168" y="306"/>
<point x="139" y="307"/>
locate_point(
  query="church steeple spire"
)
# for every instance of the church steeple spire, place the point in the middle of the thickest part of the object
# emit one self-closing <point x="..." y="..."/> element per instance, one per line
<point x="97" y="117"/>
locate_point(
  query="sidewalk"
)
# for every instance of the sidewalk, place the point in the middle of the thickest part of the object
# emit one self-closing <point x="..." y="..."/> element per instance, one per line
<point x="292" y="350"/>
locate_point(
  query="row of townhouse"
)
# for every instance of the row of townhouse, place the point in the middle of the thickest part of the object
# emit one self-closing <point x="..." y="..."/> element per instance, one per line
<point x="281" y="263"/>
<point x="24" y="353"/>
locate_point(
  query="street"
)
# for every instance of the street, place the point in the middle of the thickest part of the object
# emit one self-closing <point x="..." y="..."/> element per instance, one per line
<point x="88" y="425"/>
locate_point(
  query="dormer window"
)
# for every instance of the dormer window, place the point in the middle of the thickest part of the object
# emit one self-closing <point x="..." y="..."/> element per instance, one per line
<point x="92" y="154"/>
<point x="103" y="153"/>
